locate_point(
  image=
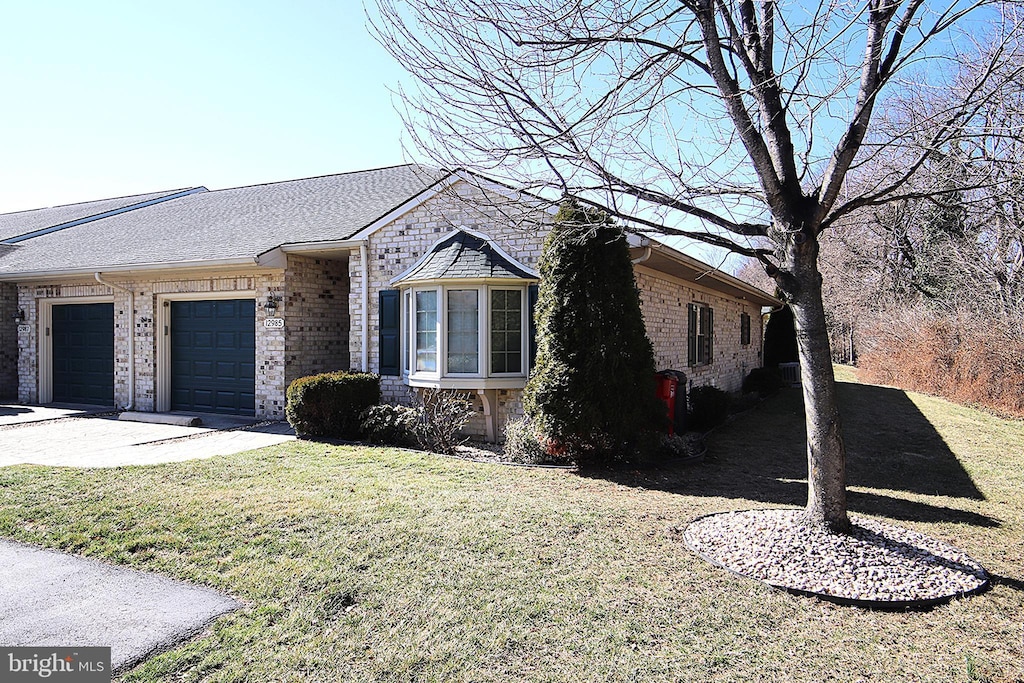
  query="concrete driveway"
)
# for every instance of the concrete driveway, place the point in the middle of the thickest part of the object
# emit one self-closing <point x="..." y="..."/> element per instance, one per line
<point x="79" y="437"/>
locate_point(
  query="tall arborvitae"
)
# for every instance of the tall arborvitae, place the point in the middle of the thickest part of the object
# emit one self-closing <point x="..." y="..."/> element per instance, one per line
<point x="592" y="391"/>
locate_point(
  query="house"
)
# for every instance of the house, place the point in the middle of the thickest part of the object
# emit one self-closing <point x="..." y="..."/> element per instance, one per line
<point x="213" y="301"/>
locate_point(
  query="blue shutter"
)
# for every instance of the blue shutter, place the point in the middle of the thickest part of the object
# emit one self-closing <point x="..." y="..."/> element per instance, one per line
<point x="532" y="292"/>
<point x="390" y="336"/>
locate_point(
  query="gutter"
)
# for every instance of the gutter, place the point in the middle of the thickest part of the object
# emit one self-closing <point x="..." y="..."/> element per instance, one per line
<point x="643" y="257"/>
<point x="131" y="269"/>
<point x="131" y="337"/>
<point x="326" y="245"/>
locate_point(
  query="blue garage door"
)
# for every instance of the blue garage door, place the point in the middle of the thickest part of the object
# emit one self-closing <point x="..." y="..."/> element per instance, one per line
<point x="83" y="353"/>
<point x="213" y="356"/>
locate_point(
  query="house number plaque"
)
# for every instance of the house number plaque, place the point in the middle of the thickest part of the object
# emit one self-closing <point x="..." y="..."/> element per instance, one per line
<point x="274" y="322"/>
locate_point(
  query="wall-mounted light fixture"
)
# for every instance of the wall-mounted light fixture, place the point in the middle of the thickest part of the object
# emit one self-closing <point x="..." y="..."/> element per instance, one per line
<point x="19" y="317"/>
<point x="271" y="306"/>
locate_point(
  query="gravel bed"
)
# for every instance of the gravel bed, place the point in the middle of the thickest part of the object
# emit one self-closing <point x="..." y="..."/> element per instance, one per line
<point x="876" y="563"/>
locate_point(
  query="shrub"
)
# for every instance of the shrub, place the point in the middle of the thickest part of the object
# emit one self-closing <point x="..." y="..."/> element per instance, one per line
<point x="764" y="381"/>
<point x="709" y="407"/>
<point x="522" y="444"/>
<point x="442" y="415"/>
<point x="962" y="356"/>
<point x="780" y="338"/>
<point x="391" y="424"/>
<point x="592" y="392"/>
<point x="329" y="404"/>
<point x="681" y="446"/>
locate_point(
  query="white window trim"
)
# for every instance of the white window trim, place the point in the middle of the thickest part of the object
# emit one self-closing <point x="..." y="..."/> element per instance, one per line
<point x="524" y="332"/>
<point x="482" y="327"/>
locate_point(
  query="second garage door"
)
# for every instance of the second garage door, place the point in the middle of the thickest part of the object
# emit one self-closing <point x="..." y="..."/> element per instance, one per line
<point x="213" y="356"/>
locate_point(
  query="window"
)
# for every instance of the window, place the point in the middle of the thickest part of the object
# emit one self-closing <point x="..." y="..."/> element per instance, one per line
<point x="426" y="331"/>
<point x="744" y="329"/>
<point x="462" y="335"/>
<point x="700" y="325"/>
<point x="506" y="330"/>
<point x="463" y="331"/>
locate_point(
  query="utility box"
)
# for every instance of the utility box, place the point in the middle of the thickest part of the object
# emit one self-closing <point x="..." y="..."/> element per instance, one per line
<point x="671" y="388"/>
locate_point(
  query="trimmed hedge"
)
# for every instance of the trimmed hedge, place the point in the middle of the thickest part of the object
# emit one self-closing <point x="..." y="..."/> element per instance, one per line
<point x="329" y="404"/>
<point x="764" y="381"/>
<point x="709" y="407"/>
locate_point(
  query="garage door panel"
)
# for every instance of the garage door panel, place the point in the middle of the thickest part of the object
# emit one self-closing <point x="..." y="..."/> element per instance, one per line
<point x="82" y="353"/>
<point x="213" y="356"/>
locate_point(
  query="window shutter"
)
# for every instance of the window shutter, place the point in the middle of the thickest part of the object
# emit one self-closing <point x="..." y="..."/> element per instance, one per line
<point x="531" y="294"/>
<point x="691" y="334"/>
<point x="710" y="358"/>
<point x="390" y="336"/>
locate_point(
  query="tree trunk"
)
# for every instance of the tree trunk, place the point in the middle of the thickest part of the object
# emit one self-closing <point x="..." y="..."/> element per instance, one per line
<point x="826" y="452"/>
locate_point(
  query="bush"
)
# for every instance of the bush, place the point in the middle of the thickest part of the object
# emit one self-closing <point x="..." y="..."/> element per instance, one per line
<point x="709" y="407"/>
<point x="591" y="393"/>
<point x="329" y="404"/>
<point x="522" y="444"/>
<point x="681" y="446"/>
<point x="442" y="415"/>
<point x="962" y="356"/>
<point x="391" y="424"/>
<point x="764" y="381"/>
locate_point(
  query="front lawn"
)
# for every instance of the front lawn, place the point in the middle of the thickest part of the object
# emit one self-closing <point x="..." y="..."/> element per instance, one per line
<point x="377" y="564"/>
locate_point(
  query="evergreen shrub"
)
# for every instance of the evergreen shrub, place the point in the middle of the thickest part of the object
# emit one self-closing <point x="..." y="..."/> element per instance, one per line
<point x="709" y="406"/>
<point x="329" y="404"/>
<point x="763" y="381"/>
<point x="592" y="392"/>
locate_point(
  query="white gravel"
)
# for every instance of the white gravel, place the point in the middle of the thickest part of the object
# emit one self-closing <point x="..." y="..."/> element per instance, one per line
<point x="876" y="562"/>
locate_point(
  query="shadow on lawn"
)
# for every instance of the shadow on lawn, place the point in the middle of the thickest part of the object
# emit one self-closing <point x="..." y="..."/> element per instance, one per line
<point x="760" y="455"/>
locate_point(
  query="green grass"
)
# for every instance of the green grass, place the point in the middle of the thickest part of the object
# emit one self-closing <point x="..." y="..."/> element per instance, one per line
<point x="376" y="564"/>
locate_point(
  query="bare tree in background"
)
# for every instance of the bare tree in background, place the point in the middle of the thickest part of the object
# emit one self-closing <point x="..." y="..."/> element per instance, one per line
<point x="732" y="122"/>
<point x="954" y="243"/>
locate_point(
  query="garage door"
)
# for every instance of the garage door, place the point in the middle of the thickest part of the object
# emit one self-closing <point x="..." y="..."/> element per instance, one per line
<point x="83" y="353"/>
<point x="213" y="356"/>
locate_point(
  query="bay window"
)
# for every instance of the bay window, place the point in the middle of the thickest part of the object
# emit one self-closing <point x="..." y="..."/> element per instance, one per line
<point x="461" y="332"/>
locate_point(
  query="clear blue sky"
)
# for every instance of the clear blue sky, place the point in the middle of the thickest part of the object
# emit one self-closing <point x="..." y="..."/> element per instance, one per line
<point x="105" y="99"/>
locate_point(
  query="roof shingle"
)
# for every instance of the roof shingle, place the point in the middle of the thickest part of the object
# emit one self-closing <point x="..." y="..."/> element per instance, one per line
<point x="235" y="223"/>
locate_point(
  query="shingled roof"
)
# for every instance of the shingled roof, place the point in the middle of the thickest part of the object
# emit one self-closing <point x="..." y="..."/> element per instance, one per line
<point x="464" y="256"/>
<point x="20" y="224"/>
<point x="238" y="223"/>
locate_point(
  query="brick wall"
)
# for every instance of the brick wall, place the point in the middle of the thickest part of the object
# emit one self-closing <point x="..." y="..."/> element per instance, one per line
<point x="143" y="324"/>
<point x="316" y="310"/>
<point x="664" y="300"/>
<point x="395" y="247"/>
<point x="8" y="342"/>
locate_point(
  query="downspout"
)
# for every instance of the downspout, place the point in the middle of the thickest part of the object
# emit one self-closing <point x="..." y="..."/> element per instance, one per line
<point x="364" y="351"/>
<point x="131" y="338"/>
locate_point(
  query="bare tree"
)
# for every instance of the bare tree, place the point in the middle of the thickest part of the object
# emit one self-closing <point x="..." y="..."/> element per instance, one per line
<point x="733" y="122"/>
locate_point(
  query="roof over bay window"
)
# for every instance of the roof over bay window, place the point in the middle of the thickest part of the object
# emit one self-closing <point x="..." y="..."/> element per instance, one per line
<point x="465" y="255"/>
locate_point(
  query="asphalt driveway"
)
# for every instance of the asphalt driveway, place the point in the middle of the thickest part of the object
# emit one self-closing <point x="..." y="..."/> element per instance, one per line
<point x="72" y="437"/>
<point x="51" y="599"/>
